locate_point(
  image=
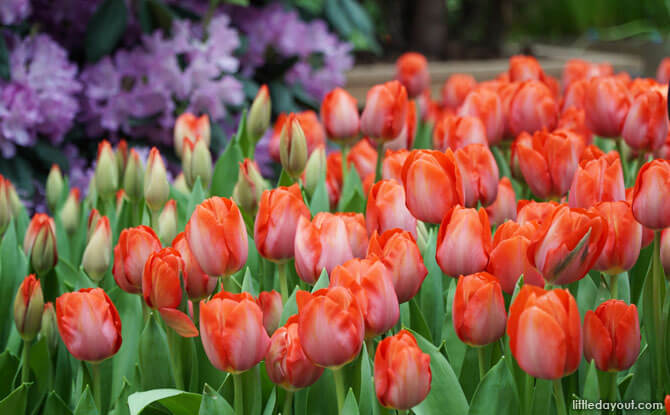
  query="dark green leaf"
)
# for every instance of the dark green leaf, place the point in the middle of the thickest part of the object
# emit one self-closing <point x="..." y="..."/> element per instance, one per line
<point x="125" y="361"/>
<point x="591" y="391"/>
<point x="9" y="365"/>
<point x="86" y="405"/>
<point x="237" y="2"/>
<point x="226" y="170"/>
<point x="251" y="382"/>
<point x="5" y="71"/>
<point x="41" y="368"/>
<point x="13" y="268"/>
<point x="418" y="321"/>
<point x="270" y="405"/>
<point x="214" y="404"/>
<point x="284" y="179"/>
<point x="430" y="294"/>
<point x="495" y="393"/>
<point x="154" y="356"/>
<point x="105" y="29"/>
<point x="15" y="402"/>
<point x="56" y="406"/>
<point x="176" y="401"/>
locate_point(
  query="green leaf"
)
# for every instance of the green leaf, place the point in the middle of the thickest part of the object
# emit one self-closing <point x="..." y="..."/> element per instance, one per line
<point x="9" y="366"/>
<point x="124" y="362"/>
<point x="322" y="282"/>
<point x="495" y="393"/>
<point x="424" y="135"/>
<point x="430" y="294"/>
<point x="248" y="283"/>
<point x="446" y="395"/>
<point x="591" y="390"/>
<point x="41" y="368"/>
<point x="214" y="404"/>
<point x="290" y="308"/>
<point x="352" y="198"/>
<point x="456" y="349"/>
<point x="246" y="143"/>
<point x="154" y="14"/>
<point x="5" y="71"/>
<point x="367" y="399"/>
<point x="176" y="401"/>
<point x="640" y="387"/>
<point x="86" y="405"/>
<point x="320" y="201"/>
<point x="105" y="29"/>
<point x="350" y="407"/>
<point x="542" y="397"/>
<point x="503" y="164"/>
<point x="154" y="356"/>
<point x="197" y="196"/>
<point x="251" y="382"/>
<point x="237" y="2"/>
<point x="270" y="405"/>
<point x="13" y="267"/>
<point x="56" y="406"/>
<point x="15" y="402"/>
<point x="284" y="179"/>
<point x="321" y="398"/>
<point x="226" y="170"/>
<point x="418" y="321"/>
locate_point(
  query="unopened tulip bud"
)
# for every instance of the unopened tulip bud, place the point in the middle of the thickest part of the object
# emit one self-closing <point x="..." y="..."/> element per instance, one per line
<point x="133" y="177"/>
<point x="258" y="119"/>
<point x="612" y="335"/>
<point x="106" y="171"/>
<point x="196" y="162"/>
<point x="39" y="243"/>
<point x="315" y="169"/>
<point x="120" y="198"/>
<point x="54" y="187"/>
<point x="71" y="212"/>
<point x="249" y="187"/>
<point x="179" y="184"/>
<point x="93" y="219"/>
<point x="49" y="328"/>
<point x="14" y="200"/>
<point x="478" y="311"/>
<point x="188" y="126"/>
<point x="98" y="252"/>
<point x="167" y="222"/>
<point x="5" y="204"/>
<point x="293" y="147"/>
<point x="156" y="186"/>
<point x="121" y="155"/>
<point x="28" y="306"/>
<point x="272" y="307"/>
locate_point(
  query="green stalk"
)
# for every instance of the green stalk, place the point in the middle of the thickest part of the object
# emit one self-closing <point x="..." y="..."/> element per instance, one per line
<point x="612" y="387"/>
<point x="370" y="346"/>
<point x="239" y="394"/>
<point x="25" y="366"/>
<point x="345" y="166"/>
<point x="560" y="398"/>
<point x="528" y="394"/>
<point x="174" y="346"/>
<point x="288" y="403"/>
<point x="614" y="280"/>
<point x="283" y="284"/>
<point x="196" y="312"/>
<point x="339" y="388"/>
<point x="97" y="392"/>
<point x="481" y="357"/>
<point x="380" y="157"/>
<point x="658" y="284"/>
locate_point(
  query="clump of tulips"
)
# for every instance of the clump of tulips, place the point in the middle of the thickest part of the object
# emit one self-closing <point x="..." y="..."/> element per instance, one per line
<point x="503" y="250"/>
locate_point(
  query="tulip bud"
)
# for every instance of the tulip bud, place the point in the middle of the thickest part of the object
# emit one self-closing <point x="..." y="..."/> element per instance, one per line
<point x="315" y="170"/>
<point x="197" y="284"/>
<point x="293" y="147"/>
<point x="179" y="184"/>
<point x="478" y="312"/>
<point x="121" y="155"/>
<point x="385" y="111"/>
<point x="188" y="126"/>
<point x="54" y="187"/>
<point x="456" y="88"/>
<point x="504" y="207"/>
<point x="28" y="307"/>
<point x="386" y="208"/>
<point x="120" y="198"/>
<point x="93" y="218"/>
<point x="653" y="181"/>
<point x="463" y="241"/>
<point x="167" y="222"/>
<point x="71" y="212"/>
<point x="133" y="177"/>
<point x="196" y="162"/>
<point x="258" y="118"/>
<point x="412" y="72"/>
<point x="272" y="307"/>
<point x="249" y="187"/>
<point x="39" y="244"/>
<point x="156" y="186"/>
<point x="130" y="254"/>
<point x="106" y="171"/>
<point x="49" y="327"/>
<point x="97" y="255"/>
<point x="612" y="335"/>
<point x="14" y="200"/>
<point x="339" y="113"/>
<point x="5" y="204"/>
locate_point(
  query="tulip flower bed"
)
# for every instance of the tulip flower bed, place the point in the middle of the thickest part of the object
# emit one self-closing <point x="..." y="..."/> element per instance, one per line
<point x="501" y="251"/>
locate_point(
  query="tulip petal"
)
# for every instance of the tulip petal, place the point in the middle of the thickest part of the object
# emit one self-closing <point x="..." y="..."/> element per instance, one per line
<point x="178" y="321"/>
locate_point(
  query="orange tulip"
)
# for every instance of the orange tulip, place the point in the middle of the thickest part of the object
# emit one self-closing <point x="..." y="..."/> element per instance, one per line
<point x="197" y="283"/>
<point x="647" y="233"/>
<point x="286" y="362"/>
<point x="612" y="335"/>
<point x="575" y="96"/>
<point x="532" y="108"/>
<point x="272" y="307"/>
<point x="339" y="114"/>
<point x="646" y="125"/>
<point x="606" y="102"/>
<point x="405" y="140"/>
<point x="504" y="207"/>
<point x="386" y="208"/>
<point x="486" y="105"/>
<point x="363" y="157"/>
<point x="544" y="329"/>
<point x="663" y="71"/>
<point x="456" y="88"/>
<point x="330" y="326"/>
<point x="574" y="119"/>
<point x="39" y="243"/>
<point x="130" y="254"/>
<point x="188" y="126"/>
<point x="463" y="242"/>
<point x="392" y="164"/>
<point x="398" y="250"/>
<point x="385" y="111"/>
<point x="649" y="200"/>
<point x="277" y="220"/>
<point x="478" y="311"/>
<point x="578" y="69"/>
<point x="624" y="239"/>
<point x="597" y="180"/>
<point x="530" y="210"/>
<point x="479" y="172"/>
<point x="457" y="132"/>
<point x="412" y="72"/>
<point x="217" y="236"/>
<point x="509" y="257"/>
<point x="433" y="184"/>
<point x="568" y="245"/>
<point x="89" y="324"/>
<point x="232" y="332"/>
<point x="639" y="86"/>
<point x="524" y="68"/>
<point x="315" y="135"/>
<point x="548" y="161"/>
<point x="334" y="177"/>
<point x="402" y="372"/>
<point x="370" y="283"/>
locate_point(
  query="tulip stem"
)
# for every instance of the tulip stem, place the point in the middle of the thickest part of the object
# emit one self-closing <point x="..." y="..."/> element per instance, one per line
<point x="95" y="373"/>
<point x="657" y="281"/>
<point x="614" y="280"/>
<point x="283" y="284"/>
<point x="613" y="387"/>
<point x="481" y="357"/>
<point x="345" y="153"/>
<point x="174" y="341"/>
<point x="239" y="394"/>
<point x="528" y="394"/>
<point x="339" y="388"/>
<point x="380" y="157"/>
<point x="288" y="403"/>
<point x="560" y="398"/>
<point x="25" y="367"/>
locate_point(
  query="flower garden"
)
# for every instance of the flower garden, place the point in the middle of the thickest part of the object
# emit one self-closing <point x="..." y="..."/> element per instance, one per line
<point x="179" y="236"/>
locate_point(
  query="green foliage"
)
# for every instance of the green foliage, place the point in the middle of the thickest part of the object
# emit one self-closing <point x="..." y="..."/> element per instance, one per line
<point x="105" y="29"/>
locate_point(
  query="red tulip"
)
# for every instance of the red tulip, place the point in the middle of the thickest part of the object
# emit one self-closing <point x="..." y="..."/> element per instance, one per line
<point x="529" y="210"/>
<point x="532" y="108"/>
<point x="402" y="372"/>
<point x="578" y="69"/>
<point x="278" y="213"/>
<point x="456" y="88"/>
<point x="597" y="180"/>
<point x="392" y="164"/>
<point x="606" y="102"/>
<point x="405" y="140"/>
<point x="339" y="114"/>
<point x="524" y="68"/>
<point x="457" y="132"/>
<point x="433" y="184"/>
<point x="545" y="333"/>
<point x="315" y="135"/>
<point x="486" y="105"/>
<point x="39" y="243"/>
<point x="89" y="324"/>
<point x="370" y="283"/>
<point x="663" y="71"/>
<point x="649" y="199"/>
<point x="479" y="172"/>
<point x="232" y="332"/>
<point x="286" y="362"/>
<point x="28" y="308"/>
<point x="130" y="254"/>
<point x="334" y="177"/>
<point x="624" y="239"/>
<point x="646" y="125"/>
<point x="509" y="257"/>
<point x="217" y="236"/>
<point x="330" y="326"/>
<point x="574" y="119"/>
<point x="272" y="307"/>
<point x="504" y="207"/>
<point x="386" y="208"/>
<point x="412" y="72"/>
<point x="363" y="157"/>
<point x="665" y="250"/>
<point x="612" y="335"/>
<point x="197" y="283"/>
<point x="463" y="242"/>
<point x="356" y="232"/>
<point x="478" y="312"/>
<point x="647" y="233"/>
<point x="385" y="111"/>
<point x="398" y="250"/>
<point x="569" y="244"/>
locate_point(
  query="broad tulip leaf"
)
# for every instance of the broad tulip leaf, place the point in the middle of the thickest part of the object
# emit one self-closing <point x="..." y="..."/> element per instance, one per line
<point x="13" y="267"/>
<point x="249" y="284"/>
<point x="270" y="405"/>
<point x="640" y="387"/>
<point x="352" y="198"/>
<point x="320" y="201"/>
<point x="418" y="321"/>
<point x="495" y="393"/>
<point x="251" y="382"/>
<point x="591" y="391"/>
<point x="9" y="366"/>
<point x="290" y="308"/>
<point x="214" y="404"/>
<point x="15" y="402"/>
<point x="226" y="170"/>
<point x="456" y="349"/>
<point x="176" y="401"/>
<point x="446" y="395"/>
<point x="322" y="282"/>
<point x="284" y="179"/>
<point x="124" y="362"/>
<point x="56" y="406"/>
<point x="153" y="358"/>
<point x="367" y="400"/>
<point x="40" y="366"/>
<point x="86" y="404"/>
<point x="350" y="407"/>
<point x="322" y="398"/>
<point x="430" y="294"/>
<point x="196" y="197"/>
<point x="542" y="398"/>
